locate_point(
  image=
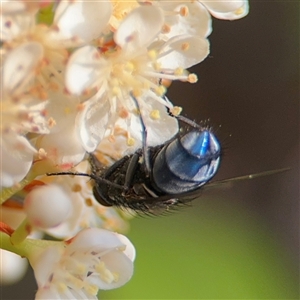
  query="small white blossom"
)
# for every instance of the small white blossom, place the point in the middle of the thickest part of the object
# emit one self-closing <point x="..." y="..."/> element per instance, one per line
<point x="94" y="259"/>
<point x="21" y="112"/>
<point x="13" y="267"/>
<point x="133" y="69"/>
<point x="47" y="206"/>
<point x="227" y="9"/>
<point x="86" y="211"/>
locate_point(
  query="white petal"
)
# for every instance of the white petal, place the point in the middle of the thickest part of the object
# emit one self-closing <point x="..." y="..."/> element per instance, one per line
<point x="92" y="122"/>
<point x="13" y="267"/>
<point x="19" y="66"/>
<point x="47" y="294"/>
<point x="130" y="250"/>
<point x="82" y="19"/>
<point x="197" y="22"/>
<point x="63" y="147"/>
<point x="139" y="28"/>
<point x="47" y="206"/>
<point x="228" y="10"/>
<point x="183" y="52"/>
<point x="95" y="237"/>
<point x="117" y="263"/>
<point x="159" y="130"/>
<point x="16" y="157"/>
<point x="83" y="69"/>
<point x="44" y="263"/>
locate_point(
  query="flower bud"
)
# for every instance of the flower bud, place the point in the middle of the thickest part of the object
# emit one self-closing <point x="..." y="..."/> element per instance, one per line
<point x="47" y="206"/>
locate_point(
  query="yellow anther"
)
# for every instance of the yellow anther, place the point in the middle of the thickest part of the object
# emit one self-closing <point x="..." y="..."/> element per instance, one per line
<point x="67" y="110"/>
<point x="116" y="91"/>
<point x="160" y="90"/>
<point x="76" y="188"/>
<point x="81" y="269"/>
<point x="239" y="11"/>
<point x="116" y="276"/>
<point x="137" y="92"/>
<point x="178" y="71"/>
<point x="166" y="82"/>
<point x="166" y="28"/>
<point x="61" y="287"/>
<point x="42" y="154"/>
<point x="152" y="54"/>
<point x="91" y="289"/>
<point x="156" y="66"/>
<point x="176" y="110"/>
<point x="51" y="122"/>
<point x="88" y="202"/>
<point x="100" y="266"/>
<point x="184" y="11"/>
<point x="192" y="78"/>
<point x="129" y="67"/>
<point x="123" y="113"/>
<point x="185" y="46"/>
<point x="130" y="141"/>
<point x="155" y="114"/>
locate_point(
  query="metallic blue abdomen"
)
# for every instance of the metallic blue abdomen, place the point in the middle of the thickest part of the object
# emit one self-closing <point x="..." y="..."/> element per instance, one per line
<point x="186" y="163"/>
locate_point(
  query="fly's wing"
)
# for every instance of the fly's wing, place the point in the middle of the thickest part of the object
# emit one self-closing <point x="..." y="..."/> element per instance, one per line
<point x="161" y="204"/>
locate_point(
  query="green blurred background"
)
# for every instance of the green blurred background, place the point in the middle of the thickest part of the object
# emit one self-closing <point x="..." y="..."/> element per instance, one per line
<point x="240" y="241"/>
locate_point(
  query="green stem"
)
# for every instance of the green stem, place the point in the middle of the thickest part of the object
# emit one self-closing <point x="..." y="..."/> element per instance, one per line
<point x="27" y="248"/>
<point x="21" y="233"/>
<point x="6" y="193"/>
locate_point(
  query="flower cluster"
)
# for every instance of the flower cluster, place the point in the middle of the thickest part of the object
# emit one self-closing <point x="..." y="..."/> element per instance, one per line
<point x="75" y="78"/>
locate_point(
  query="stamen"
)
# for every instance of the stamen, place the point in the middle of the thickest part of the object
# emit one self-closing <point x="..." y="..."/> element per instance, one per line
<point x="184" y="11"/>
<point x="155" y="114"/>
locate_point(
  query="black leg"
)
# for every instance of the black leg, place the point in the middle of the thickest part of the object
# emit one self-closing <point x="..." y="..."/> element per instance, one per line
<point x="185" y="120"/>
<point x="146" y="156"/>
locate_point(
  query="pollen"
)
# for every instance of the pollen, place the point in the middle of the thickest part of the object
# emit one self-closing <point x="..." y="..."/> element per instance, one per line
<point x="152" y="54"/>
<point x="166" y="28"/>
<point x="123" y="113"/>
<point x="192" y="78"/>
<point x="176" y="110"/>
<point x="239" y="11"/>
<point x="155" y="114"/>
<point x="67" y="110"/>
<point x="88" y="202"/>
<point x="184" y="11"/>
<point x="62" y="287"/>
<point x="91" y="289"/>
<point x="130" y="141"/>
<point x="129" y="67"/>
<point x="116" y="91"/>
<point x="178" y="71"/>
<point x="160" y="90"/>
<point x="81" y="269"/>
<point x="42" y="154"/>
<point x="185" y="46"/>
<point x="76" y="188"/>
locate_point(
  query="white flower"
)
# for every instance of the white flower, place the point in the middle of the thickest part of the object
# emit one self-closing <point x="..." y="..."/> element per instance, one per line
<point x="178" y="10"/>
<point x="62" y="145"/>
<point x="20" y="112"/>
<point x="86" y="211"/>
<point x="183" y="17"/>
<point x="227" y="9"/>
<point x="47" y="206"/>
<point x="94" y="259"/>
<point x="13" y="267"/>
<point x="133" y="69"/>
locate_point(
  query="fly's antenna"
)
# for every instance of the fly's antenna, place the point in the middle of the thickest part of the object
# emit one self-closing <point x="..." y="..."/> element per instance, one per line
<point x="97" y="179"/>
<point x="146" y="157"/>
